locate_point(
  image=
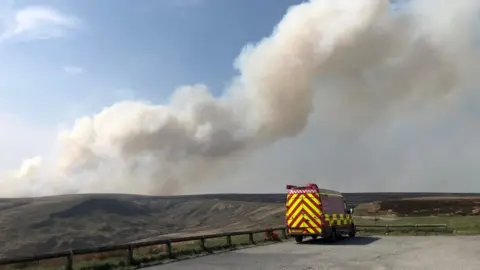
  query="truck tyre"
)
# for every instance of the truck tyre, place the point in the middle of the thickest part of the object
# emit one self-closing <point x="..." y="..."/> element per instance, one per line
<point x="298" y="238"/>
<point x="353" y="231"/>
<point x="332" y="238"/>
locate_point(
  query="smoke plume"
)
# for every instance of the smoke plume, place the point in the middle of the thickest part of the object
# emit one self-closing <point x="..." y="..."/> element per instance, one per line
<point x="320" y="100"/>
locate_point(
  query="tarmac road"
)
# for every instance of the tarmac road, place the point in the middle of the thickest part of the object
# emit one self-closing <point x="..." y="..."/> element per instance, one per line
<point x="369" y="253"/>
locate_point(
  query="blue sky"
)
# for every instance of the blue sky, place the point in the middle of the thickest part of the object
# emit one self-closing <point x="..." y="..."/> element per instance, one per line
<point x="62" y="59"/>
<point x="74" y="57"/>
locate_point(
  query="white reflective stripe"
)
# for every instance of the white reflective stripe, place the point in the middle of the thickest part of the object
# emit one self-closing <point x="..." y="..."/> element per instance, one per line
<point x="303" y="191"/>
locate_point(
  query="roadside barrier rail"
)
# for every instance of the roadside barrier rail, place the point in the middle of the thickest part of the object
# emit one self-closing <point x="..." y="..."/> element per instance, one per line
<point x="130" y="247"/>
<point x="406" y="227"/>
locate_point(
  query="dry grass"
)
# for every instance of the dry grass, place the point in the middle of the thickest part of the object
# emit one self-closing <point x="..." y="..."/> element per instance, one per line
<point x="460" y="213"/>
<point x="447" y="206"/>
<point x="436" y="198"/>
<point x="146" y="256"/>
<point x="467" y="225"/>
<point x="88" y="221"/>
<point x="48" y="224"/>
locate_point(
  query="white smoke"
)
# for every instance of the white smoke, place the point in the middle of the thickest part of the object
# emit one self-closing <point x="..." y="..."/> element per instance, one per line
<point x="327" y="88"/>
<point x="29" y="168"/>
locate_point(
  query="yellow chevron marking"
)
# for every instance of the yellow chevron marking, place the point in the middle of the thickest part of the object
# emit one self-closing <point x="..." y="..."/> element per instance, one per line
<point x="292" y="198"/>
<point x="297" y="221"/>
<point x="293" y="201"/>
<point x="313" y="207"/>
<point x="291" y="208"/>
<point x="313" y="223"/>
<point x="312" y="197"/>
<point x="297" y="212"/>
<point x="306" y="209"/>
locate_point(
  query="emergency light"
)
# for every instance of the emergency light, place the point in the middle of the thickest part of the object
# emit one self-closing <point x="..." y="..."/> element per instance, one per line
<point x="314" y="186"/>
<point x="308" y="186"/>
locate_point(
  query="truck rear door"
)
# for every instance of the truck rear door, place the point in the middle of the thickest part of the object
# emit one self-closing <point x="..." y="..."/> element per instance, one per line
<point x="312" y="211"/>
<point x="303" y="212"/>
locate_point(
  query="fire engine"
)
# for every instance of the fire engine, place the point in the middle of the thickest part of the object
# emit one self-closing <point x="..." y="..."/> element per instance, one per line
<point x="312" y="212"/>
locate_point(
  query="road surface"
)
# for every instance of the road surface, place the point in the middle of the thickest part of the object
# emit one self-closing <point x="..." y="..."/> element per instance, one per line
<point x="369" y="253"/>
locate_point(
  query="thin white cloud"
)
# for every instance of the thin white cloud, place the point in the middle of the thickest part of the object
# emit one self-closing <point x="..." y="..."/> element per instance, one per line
<point x="36" y="22"/>
<point x="73" y="70"/>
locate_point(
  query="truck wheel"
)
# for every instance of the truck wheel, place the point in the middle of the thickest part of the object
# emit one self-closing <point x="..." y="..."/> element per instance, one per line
<point x="352" y="232"/>
<point x="332" y="238"/>
<point x="298" y="238"/>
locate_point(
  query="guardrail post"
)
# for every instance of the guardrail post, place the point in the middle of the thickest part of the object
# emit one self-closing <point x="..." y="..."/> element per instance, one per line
<point x="415" y="229"/>
<point x="69" y="265"/>
<point x="169" y="250"/>
<point x="130" y="260"/>
<point x="386" y="229"/>
<point x="229" y="241"/>
<point x="202" y="244"/>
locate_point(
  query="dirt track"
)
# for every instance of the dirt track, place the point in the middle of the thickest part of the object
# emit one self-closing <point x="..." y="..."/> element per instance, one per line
<point x="368" y="253"/>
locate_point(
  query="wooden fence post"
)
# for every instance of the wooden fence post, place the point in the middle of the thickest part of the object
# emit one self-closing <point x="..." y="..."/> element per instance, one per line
<point x="229" y="241"/>
<point x="202" y="244"/>
<point x="69" y="265"/>
<point x="169" y="250"/>
<point x="130" y="260"/>
<point x="129" y="257"/>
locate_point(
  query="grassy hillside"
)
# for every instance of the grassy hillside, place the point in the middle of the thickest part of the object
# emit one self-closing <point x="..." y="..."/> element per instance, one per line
<point x="423" y="206"/>
<point x="40" y="225"/>
<point x="58" y="223"/>
<point x="460" y="213"/>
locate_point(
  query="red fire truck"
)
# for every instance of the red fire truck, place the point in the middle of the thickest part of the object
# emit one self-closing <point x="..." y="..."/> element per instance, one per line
<point x="312" y="212"/>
